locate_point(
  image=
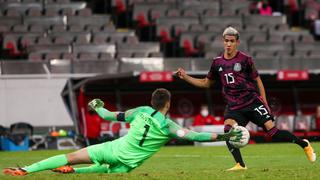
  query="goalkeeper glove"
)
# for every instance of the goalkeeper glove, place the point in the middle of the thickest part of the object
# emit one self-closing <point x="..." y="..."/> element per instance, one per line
<point x="233" y="132"/>
<point x="96" y="103"/>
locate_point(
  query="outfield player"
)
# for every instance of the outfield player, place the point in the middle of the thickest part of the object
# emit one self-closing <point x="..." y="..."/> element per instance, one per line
<point x="149" y="131"/>
<point x="244" y="93"/>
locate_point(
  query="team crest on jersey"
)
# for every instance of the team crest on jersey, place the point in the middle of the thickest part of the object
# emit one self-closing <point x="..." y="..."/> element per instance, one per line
<point x="220" y="69"/>
<point x="237" y="67"/>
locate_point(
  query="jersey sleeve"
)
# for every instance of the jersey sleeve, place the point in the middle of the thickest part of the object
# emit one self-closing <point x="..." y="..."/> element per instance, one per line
<point x="252" y="69"/>
<point x="213" y="74"/>
<point x="130" y="114"/>
<point x="176" y="131"/>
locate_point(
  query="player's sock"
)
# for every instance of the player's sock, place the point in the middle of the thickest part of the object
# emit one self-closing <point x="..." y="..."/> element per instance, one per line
<point x="234" y="151"/>
<point x="283" y="135"/>
<point x="50" y="163"/>
<point x="96" y="168"/>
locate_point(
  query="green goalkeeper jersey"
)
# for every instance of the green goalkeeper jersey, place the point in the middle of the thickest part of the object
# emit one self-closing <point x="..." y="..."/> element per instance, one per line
<point x="149" y="131"/>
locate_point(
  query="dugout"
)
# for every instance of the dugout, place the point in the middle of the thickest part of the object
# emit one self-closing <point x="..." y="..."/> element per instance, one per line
<point x="127" y="90"/>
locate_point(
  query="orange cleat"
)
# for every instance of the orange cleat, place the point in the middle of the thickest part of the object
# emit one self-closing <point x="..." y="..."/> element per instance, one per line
<point x="64" y="169"/>
<point x="311" y="155"/>
<point x="237" y="167"/>
<point x="14" y="171"/>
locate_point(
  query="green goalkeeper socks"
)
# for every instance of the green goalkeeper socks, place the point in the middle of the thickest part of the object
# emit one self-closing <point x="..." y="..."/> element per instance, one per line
<point x="50" y="163"/>
<point x="104" y="168"/>
<point x="96" y="168"/>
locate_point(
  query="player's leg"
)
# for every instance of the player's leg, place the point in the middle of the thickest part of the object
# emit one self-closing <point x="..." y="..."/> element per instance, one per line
<point x="104" y="159"/>
<point x="287" y="136"/>
<point x="233" y="150"/>
<point x="95" y="154"/>
<point x="78" y="157"/>
<point x="120" y="168"/>
<point x="232" y="118"/>
<point x="260" y="115"/>
<point x="95" y="168"/>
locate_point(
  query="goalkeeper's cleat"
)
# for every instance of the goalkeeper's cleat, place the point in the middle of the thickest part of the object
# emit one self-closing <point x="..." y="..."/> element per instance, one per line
<point x="237" y="167"/>
<point x="64" y="169"/>
<point x="14" y="171"/>
<point x="311" y="155"/>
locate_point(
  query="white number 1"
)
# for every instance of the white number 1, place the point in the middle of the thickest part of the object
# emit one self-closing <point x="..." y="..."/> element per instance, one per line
<point x="229" y="78"/>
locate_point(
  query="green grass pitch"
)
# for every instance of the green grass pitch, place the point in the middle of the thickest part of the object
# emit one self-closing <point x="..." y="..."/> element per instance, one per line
<point x="264" y="161"/>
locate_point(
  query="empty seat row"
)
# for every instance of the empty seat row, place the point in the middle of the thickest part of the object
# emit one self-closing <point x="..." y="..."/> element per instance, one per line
<point x="133" y="2"/>
<point x="36" y="12"/>
<point x="83" y="28"/>
<point x="35" y="1"/>
<point x="68" y="20"/>
<point x="36" y="56"/>
<point x="94" y="51"/>
<point x="296" y="53"/>
<point x="299" y="48"/>
<point x="192" y="42"/>
<point x="48" y="21"/>
<point x="146" y="13"/>
<point x="24" y="6"/>
<point x="151" y="16"/>
<point x="24" y="28"/>
<point x="23" y="42"/>
<point x="246" y="33"/>
<point x="164" y="26"/>
<point x="60" y="66"/>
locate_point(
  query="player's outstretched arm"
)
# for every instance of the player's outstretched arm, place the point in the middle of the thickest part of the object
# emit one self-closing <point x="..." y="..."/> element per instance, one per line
<point x="183" y="133"/>
<point x="97" y="106"/>
<point x="202" y="83"/>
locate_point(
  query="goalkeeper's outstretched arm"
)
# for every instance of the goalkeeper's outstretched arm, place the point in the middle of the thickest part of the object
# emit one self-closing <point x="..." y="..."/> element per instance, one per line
<point x="177" y="131"/>
<point x="97" y="105"/>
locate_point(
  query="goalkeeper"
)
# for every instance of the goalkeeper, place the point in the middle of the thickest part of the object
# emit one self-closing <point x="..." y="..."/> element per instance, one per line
<point x="149" y="131"/>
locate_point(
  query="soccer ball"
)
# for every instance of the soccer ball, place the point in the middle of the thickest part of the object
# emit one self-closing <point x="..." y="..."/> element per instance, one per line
<point x="244" y="139"/>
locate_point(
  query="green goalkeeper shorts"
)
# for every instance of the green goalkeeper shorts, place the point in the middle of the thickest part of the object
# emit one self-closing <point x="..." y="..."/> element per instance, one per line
<point x="103" y="154"/>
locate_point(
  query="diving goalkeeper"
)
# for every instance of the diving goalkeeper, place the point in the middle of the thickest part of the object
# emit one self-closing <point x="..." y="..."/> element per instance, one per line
<point x="149" y="131"/>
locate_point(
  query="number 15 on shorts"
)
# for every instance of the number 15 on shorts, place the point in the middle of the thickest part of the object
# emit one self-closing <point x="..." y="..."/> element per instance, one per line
<point x="262" y="111"/>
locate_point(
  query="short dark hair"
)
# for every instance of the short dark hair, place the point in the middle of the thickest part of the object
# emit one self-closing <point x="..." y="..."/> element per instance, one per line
<point x="159" y="98"/>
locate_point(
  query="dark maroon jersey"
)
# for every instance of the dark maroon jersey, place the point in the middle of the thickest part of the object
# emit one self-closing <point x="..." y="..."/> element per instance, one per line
<point x="237" y="76"/>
